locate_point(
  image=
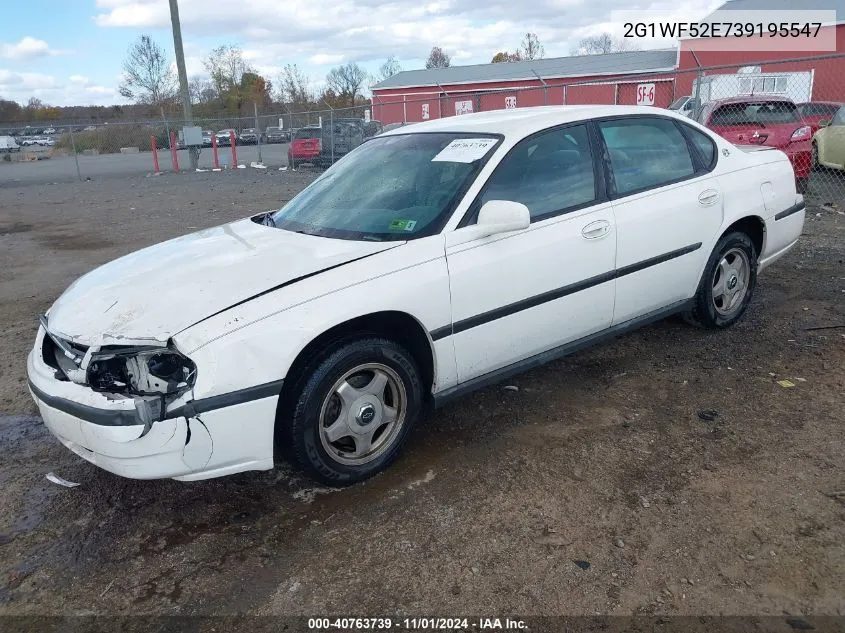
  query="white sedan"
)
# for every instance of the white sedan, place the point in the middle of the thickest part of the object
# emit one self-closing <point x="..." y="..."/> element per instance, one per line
<point x="428" y="262"/>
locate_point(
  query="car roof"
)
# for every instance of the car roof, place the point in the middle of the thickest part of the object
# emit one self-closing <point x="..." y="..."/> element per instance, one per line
<point x="524" y="121"/>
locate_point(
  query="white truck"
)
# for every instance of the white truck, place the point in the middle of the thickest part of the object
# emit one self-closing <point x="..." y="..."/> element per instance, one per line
<point x="9" y="144"/>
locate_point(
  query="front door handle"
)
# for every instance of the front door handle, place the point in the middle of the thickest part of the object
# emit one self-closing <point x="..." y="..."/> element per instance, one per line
<point x="595" y="230"/>
<point x="706" y="198"/>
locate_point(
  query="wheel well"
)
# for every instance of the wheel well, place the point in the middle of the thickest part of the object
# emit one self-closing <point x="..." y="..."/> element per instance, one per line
<point x="397" y="326"/>
<point x="753" y="227"/>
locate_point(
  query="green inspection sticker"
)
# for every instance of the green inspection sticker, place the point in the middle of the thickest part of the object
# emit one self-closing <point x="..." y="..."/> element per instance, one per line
<point x="402" y="225"/>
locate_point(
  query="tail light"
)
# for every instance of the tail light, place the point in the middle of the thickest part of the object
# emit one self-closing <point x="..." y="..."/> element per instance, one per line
<point x="801" y="134"/>
<point x="319" y="145"/>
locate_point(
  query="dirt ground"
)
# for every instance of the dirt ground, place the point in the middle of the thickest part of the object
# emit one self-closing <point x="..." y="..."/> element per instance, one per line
<point x="602" y="458"/>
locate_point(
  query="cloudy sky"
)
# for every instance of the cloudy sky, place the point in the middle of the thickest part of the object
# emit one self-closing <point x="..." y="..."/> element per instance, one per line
<point x="71" y="51"/>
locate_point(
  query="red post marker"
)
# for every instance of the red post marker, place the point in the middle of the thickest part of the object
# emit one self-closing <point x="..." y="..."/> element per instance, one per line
<point x="234" y="143"/>
<point x="214" y="151"/>
<point x="173" y="156"/>
<point x="155" y="154"/>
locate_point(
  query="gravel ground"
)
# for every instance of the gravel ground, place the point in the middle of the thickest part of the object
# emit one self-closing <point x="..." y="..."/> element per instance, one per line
<point x="603" y="458"/>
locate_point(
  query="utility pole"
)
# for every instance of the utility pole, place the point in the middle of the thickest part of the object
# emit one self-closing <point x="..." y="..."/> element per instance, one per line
<point x="183" y="74"/>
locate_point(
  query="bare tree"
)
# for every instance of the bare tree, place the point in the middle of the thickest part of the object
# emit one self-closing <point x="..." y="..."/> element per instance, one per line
<point x="346" y="81"/>
<point x="531" y="48"/>
<point x="437" y="58"/>
<point x="201" y="90"/>
<point x="147" y="74"/>
<point x="389" y="68"/>
<point x="226" y="66"/>
<point x="293" y="87"/>
<point x="602" y="44"/>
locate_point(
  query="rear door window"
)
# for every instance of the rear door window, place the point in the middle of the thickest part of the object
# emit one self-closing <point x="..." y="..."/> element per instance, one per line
<point x="646" y="152"/>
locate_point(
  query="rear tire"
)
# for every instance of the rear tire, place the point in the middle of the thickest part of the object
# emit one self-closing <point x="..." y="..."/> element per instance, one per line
<point x="727" y="284"/>
<point x="353" y="411"/>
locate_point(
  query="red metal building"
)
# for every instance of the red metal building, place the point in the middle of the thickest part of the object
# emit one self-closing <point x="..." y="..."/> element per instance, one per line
<point x="417" y="95"/>
<point x="761" y="67"/>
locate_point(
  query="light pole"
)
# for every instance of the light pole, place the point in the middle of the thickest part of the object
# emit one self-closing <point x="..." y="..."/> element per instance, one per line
<point x="183" y="75"/>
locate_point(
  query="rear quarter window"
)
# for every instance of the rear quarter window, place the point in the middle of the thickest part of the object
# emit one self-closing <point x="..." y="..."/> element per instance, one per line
<point x="703" y="144"/>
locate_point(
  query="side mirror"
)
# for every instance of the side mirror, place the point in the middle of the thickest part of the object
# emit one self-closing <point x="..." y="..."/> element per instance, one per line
<point x="824" y="122"/>
<point x="501" y="216"/>
<point x="496" y="216"/>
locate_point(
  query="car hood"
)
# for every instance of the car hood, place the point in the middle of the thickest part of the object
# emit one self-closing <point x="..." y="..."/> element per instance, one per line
<point x="150" y="295"/>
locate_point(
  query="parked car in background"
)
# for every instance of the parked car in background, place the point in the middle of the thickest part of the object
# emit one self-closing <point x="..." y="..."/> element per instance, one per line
<point x="206" y="138"/>
<point x="9" y="144"/>
<point x="393" y="126"/>
<point x="224" y="136"/>
<point x="373" y="128"/>
<point x="685" y="105"/>
<point x="305" y="146"/>
<point x="45" y="141"/>
<point x="275" y="134"/>
<point x="249" y="136"/>
<point x="829" y="142"/>
<point x="49" y="130"/>
<point x="29" y="141"/>
<point x="340" y="137"/>
<point x="426" y="264"/>
<point x="814" y="112"/>
<point x="768" y="121"/>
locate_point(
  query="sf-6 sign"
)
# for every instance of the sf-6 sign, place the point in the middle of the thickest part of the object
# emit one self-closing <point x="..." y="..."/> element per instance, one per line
<point x="645" y="94"/>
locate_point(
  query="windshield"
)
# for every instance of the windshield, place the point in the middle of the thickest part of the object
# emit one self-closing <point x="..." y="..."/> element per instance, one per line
<point x="389" y="188"/>
<point x="272" y="130"/>
<point x="755" y="113"/>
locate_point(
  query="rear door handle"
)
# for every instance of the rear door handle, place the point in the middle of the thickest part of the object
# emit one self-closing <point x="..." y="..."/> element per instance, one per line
<point x="708" y="197"/>
<point x="595" y="230"/>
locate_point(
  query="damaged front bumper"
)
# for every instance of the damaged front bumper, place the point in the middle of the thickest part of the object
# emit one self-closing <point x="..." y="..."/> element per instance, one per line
<point x="118" y="435"/>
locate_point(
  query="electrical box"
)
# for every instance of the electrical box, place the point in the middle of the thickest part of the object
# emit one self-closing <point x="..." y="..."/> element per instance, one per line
<point x="191" y="136"/>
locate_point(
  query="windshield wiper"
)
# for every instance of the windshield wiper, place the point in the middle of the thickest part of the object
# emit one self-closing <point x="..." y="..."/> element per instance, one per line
<point x="268" y="219"/>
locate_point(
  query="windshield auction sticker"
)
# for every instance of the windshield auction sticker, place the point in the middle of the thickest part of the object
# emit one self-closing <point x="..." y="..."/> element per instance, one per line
<point x="464" y="150"/>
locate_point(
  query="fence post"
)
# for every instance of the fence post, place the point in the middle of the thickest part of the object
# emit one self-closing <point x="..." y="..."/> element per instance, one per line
<point x="214" y="151"/>
<point x="233" y="141"/>
<point x="75" y="155"/>
<point x="257" y="131"/>
<point x="174" y="158"/>
<point x="155" y="153"/>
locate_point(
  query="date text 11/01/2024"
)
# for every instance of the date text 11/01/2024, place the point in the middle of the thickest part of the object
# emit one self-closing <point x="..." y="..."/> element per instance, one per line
<point x="416" y="624"/>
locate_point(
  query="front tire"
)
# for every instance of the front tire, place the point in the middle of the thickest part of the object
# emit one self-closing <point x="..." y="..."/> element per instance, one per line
<point x="728" y="283"/>
<point x="814" y="158"/>
<point x="353" y="411"/>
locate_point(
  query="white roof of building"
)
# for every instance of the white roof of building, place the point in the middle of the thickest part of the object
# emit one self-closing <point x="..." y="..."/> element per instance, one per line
<point x="523" y="121"/>
<point x="549" y="68"/>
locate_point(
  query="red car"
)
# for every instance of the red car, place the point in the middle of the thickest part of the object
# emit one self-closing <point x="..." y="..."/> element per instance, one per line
<point x="758" y="120"/>
<point x="814" y="111"/>
<point x="305" y="146"/>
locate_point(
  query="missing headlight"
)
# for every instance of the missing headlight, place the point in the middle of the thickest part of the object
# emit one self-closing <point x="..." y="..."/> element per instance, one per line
<point x="142" y="372"/>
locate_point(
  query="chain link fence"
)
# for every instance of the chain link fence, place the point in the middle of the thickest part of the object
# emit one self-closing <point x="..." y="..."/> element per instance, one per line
<point x="793" y="104"/>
